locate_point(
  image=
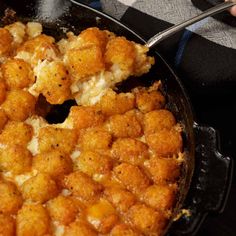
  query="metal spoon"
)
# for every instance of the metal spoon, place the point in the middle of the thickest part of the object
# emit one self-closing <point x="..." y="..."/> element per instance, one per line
<point x="176" y="28"/>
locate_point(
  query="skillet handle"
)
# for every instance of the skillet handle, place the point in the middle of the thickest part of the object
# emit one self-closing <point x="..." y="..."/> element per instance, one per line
<point x="210" y="184"/>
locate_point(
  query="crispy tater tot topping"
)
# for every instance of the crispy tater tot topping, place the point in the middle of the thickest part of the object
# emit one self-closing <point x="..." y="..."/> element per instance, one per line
<point x="19" y="105"/>
<point x="32" y="219"/>
<point x="39" y="188"/>
<point x="10" y="197"/>
<point x="53" y="82"/>
<point x="79" y="157"/>
<point x="55" y="163"/>
<point x="17" y="73"/>
<point x="16" y="133"/>
<point x="146" y="219"/>
<point x="16" y="159"/>
<point x="62" y="209"/>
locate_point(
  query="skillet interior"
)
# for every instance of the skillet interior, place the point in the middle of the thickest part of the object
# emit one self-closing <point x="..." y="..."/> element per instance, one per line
<point x="62" y="15"/>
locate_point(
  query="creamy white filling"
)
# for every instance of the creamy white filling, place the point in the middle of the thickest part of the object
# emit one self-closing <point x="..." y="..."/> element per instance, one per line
<point x="65" y="192"/>
<point x="2" y="146"/>
<point x="26" y="56"/>
<point x="91" y="91"/>
<point x="75" y="154"/>
<point x="37" y="123"/>
<point x="58" y="229"/>
<point x="17" y="31"/>
<point x="34" y="29"/>
<point x="19" y="179"/>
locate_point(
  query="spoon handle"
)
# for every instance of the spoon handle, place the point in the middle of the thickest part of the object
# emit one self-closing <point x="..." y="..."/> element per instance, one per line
<point x="174" y="29"/>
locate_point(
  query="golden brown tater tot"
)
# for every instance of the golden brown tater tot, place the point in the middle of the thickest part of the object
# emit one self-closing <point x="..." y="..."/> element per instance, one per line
<point x="16" y="159"/>
<point x="10" y="198"/>
<point x="32" y="219"/>
<point x="7" y="225"/>
<point x="19" y="105"/>
<point x="39" y="188"/>
<point x="16" y="133"/>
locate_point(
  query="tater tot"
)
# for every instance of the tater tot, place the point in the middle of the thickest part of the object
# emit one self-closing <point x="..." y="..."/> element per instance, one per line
<point x="131" y="177"/>
<point x="5" y="41"/>
<point x="94" y="36"/>
<point x="124" y="230"/>
<point x="120" y="198"/>
<point x="17" y="74"/>
<point x="146" y="219"/>
<point x="62" y="209"/>
<point x="45" y="51"/>
<point x="33" y="29"/>
<point x="32" y="219"/>
<point x="3" y="119"/>
<point x="7" y="225"/>
<point x="53" y="82"/>
<point x="163" y="170"/>
<point x="17" y="30"/>
<point x="129" y="150"/>
<point x="31" y="44"/>
<point x="82" y="185"/>
<point x="16" y="133"/>
<point x="80" y="228"/>
<point x="92" y="163"/>
<point x="112" y="103"/>
<point x="102" y="216"/>
<point x="3" y="90"/>
<point x="55" y="163"/>
<point x="10" y="198"/>
<point x="85" y="61"/>
<point x="19" y="105"/>
<point x="160" y="197"/>
<point x="120" y="51"/>
<point x="16" y="159"/>
<point x="147" y="101"/>
<point x="85" y="117"/>
<point x="38" y="49"/>
<point x="165" y="142"/>
<point x="95" y="139"/>
<point x="52" y="138"/>
<point x="39" y="188"/>
<point x="124" y="126"/>
<point x="157" y="120"/>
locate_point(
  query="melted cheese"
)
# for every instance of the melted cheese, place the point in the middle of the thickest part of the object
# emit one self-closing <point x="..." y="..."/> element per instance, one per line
<point x="90" y="92"/>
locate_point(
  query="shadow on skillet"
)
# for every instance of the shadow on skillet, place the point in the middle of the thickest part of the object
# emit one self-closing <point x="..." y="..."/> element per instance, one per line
<point x="212" y="171"/>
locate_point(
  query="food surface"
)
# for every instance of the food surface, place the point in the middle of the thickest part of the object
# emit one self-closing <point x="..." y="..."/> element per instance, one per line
<point x="112" y="167"/>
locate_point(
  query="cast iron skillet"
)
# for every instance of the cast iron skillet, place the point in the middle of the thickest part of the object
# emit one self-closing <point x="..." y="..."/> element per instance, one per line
<point x="208" y="172"/>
